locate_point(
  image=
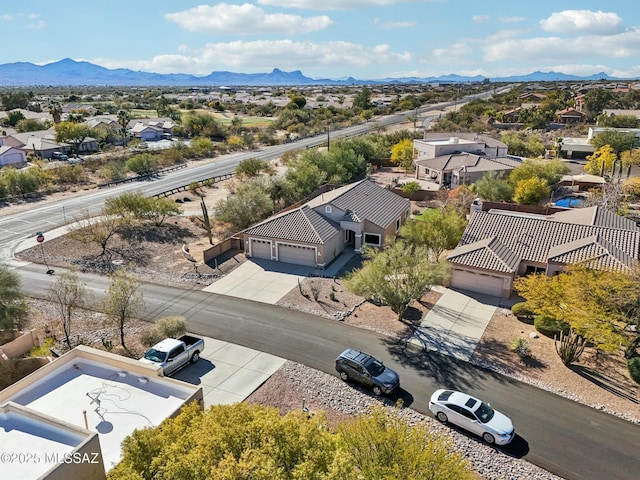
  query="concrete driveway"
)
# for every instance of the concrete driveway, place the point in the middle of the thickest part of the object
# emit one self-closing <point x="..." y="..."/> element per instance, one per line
<point x="268" y="281"/>
<point x="456" y="323"/>
<point x="229" y="373"/>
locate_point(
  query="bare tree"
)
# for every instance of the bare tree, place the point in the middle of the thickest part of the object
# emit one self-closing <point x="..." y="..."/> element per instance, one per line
<point x="123" y="300"/>
<point x="68" y="295"/>
<point x="99" y="230"/>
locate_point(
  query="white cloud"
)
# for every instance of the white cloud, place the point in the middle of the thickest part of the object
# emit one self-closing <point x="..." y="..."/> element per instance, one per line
<point x="333" y="4"/>
<point x="480" y="18"/>
<point x="511" y="19"/>
<point x="583" y="21"/>
<point x="386" y="25"/>
<point x="623" y="45"/>
<point x="261" y="56"/>
<point x="455" y="51"/>
<point x="35" y="22"/>
<point x="245" y="18"/>
<point x="6" y="17"/>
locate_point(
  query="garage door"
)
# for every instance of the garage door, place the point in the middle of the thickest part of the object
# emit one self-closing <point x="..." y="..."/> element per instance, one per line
<point x="477" y="282"/>
<point x="298" y="254"/>
<point x="261" y="249"/>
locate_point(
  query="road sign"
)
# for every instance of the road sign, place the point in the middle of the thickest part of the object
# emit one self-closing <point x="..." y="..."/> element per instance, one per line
<point x="40" y="238"/>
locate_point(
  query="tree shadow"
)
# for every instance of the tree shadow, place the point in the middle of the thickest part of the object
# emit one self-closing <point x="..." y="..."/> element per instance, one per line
<point x="505" y="357"/>
<point x="605" y="382"/>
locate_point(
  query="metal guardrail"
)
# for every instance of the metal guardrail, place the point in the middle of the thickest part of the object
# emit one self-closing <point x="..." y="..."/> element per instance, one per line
<point x="199" y="183"/>
<point x="145" y="176"/>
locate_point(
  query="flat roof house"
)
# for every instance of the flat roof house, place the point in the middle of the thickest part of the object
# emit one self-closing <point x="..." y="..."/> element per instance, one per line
<point x="86" y="401"/>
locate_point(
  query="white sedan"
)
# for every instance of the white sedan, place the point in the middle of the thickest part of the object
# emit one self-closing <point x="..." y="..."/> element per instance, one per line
<point x="473" y="415"/>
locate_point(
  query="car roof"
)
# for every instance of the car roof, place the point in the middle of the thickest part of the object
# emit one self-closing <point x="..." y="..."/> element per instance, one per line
<point x="459" y="398"/>
<point x="355" y="355"/>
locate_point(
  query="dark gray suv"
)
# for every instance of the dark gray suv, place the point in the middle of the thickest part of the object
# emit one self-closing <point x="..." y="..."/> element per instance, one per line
<point x="367" y="371"/>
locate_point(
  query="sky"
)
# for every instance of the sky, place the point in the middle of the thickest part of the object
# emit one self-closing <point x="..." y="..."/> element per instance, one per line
<point x="364" y="39"/>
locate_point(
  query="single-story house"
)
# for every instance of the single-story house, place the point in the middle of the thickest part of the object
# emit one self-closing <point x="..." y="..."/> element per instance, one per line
<point x="362" y="213"/>
<point x="569" y="115"/>
<point x="497" y="246"/>
<point x="11" y="156"/>
<point x="146" y="132"/>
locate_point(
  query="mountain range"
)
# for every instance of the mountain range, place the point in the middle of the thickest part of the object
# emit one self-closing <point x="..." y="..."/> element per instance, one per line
<point x="69" y="72"/>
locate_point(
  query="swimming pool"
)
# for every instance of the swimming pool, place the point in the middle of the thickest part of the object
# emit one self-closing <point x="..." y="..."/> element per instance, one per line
<point x="570" y="202"/>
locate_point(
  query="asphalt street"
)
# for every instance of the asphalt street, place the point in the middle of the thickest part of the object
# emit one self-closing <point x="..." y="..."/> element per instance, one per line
<point x="569" y="439"/>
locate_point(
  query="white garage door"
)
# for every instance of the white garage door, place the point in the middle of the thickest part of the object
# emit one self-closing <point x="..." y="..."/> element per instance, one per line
<point x="261" y="249"/>
<point x="298" y="254"/>
<point x="477" y="282"/>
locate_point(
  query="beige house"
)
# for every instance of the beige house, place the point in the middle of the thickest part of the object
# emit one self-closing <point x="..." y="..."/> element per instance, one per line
<point x="497" y="246"/>
<point x="362" y="213"/>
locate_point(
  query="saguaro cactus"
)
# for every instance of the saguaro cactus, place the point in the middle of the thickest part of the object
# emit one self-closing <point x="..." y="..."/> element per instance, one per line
<point x="569" y="347"/>
<point x="205" y="220"/>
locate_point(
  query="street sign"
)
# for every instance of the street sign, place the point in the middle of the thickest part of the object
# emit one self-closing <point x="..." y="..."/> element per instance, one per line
<point x="40" y="238"/>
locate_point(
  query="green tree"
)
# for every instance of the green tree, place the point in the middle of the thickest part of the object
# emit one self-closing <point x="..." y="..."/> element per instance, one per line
<point x="362" y="100"/>
<point x="55" y="109"/>
<point x="402" y="155"/>
<point x="250" y="204"/>
<point x="142" y="164"/>
<point x="73" y="133"/>
<point x="99" y="230"/>
<point x="598" y="305"/>
<point x="385" y="447"/>
<point x="141" y="207"/>
<point x="305" y="174"/>
<point x="601" y="161"/>
<point x="67" y="295"/>
<point x="123" y="120"/>
<point x="436" y="232"/>
<point x="31" y="125"/>
<point x="202" y="146"/>
<point x="410" y="188"/>
<point x="618" y="141"/>
<point x="13" y="118"/>
<point x="530" y="191"/>
<point x="596" y="100"/>
<point x="200" y="124"/>
<point x="550" y="171"/>
<point x="14" y="310"/>
<point x="123" y="300"/>
<point x="494" y="187"/>
<point x="252" y="167"/>
<point x="396" y="275"/>
<point x="244" y="441"/>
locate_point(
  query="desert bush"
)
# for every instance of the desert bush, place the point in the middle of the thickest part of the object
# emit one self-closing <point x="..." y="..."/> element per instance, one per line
<point x="550" y="327"/>
<point x="521" y="347"/>
<point x="522" y="312"/>
<point x="44" y="349"/>
<point x="168" y="327"/>
<point x="633" y="364"/>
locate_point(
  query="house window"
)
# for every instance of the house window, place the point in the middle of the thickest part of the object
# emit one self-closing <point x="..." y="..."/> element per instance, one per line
<point x="397" y="225"/>
<point x="372" y="239"/>
<point x="532" y="269"/>
<point x="327" y="209"/>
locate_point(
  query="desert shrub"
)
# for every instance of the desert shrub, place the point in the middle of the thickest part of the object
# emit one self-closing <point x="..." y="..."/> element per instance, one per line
<point x="522" y="312"/>
<point x="168" y="327"/>
<point x="550" y="327"/>
<point x="521" y="347"/>
<point x="633" y="364"/>
<point x="44" y="349"/>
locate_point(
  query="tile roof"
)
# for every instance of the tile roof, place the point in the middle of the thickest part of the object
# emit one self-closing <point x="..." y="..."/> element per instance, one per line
<point x="300" y="225"/>
<point x="489" y="253"/>
<point x="365" y="200"/>
<point x="535" y="238"/>
<point x="470" y="161"/>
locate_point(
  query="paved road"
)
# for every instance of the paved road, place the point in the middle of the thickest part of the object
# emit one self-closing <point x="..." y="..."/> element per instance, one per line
<point x="564" y="437"/>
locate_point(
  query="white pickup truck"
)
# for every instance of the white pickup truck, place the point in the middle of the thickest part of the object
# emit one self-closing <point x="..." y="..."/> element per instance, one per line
<point x="174" y="353"/>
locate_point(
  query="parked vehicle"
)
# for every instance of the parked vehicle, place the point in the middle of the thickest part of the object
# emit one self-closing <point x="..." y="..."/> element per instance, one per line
<point x="174" y="353"/>
<point x="473" y="415"/>
<point x="59" y="156"/>
<point x="366" y="370"/>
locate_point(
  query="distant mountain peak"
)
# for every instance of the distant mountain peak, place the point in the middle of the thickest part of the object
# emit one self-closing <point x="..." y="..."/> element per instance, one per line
<point x="69" y="72"/>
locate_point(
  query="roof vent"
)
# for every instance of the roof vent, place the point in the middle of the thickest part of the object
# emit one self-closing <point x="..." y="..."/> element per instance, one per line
<point x="454" y="140"/>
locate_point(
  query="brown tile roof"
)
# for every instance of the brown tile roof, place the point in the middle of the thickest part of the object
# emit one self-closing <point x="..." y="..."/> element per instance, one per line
<point x="535" y="238"/>
<point x="365" y="200"/>
<point x="490" y="254"/>
<point x="593" y="251"/>
<point x="300" y="225"/>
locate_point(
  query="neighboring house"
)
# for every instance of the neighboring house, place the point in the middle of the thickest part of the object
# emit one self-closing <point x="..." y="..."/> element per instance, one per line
<point x="362" y="213"/>
<point x="576" y="147"/>
<point x="456" y="159"/>
<point x="569" y="116"/>
<point x="146" y="132"/>
<point x="497" y="246"/>
<point x="43" y="144"/>
<point x="610" y="112"/>
<point x="11" y="156"/>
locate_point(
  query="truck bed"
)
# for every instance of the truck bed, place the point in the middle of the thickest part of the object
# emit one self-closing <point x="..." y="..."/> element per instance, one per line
<point x="189" y="340"/>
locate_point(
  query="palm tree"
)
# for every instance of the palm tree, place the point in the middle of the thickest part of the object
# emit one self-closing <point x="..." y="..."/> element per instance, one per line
<point x="56" y="112"/>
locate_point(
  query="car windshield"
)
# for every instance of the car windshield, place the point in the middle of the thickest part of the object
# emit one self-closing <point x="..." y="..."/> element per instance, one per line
<point x="155" y="355"/>
<point x="374" y="367"/>
<point x="484" y="412"/>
